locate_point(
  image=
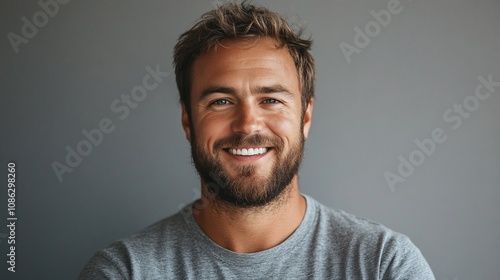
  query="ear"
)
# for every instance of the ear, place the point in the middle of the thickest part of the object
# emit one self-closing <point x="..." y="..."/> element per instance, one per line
<point x="185" y="122"/>
<point x="308" y="117"/>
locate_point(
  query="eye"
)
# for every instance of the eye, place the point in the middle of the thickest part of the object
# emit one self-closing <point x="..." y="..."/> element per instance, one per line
<point x="220" y="102"/>
<point x="272" y="101"/>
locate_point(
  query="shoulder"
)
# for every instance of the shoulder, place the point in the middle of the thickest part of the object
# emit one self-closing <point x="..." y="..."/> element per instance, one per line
<point x="125" y="257"/>
<point x="365" y="243"/>
<point x="350" y="230"/>
<point x="149" y="239"/>
<point x="346" y="225"/>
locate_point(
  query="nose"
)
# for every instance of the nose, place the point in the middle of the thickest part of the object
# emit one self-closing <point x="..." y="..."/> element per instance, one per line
<point x="248" y="119"/>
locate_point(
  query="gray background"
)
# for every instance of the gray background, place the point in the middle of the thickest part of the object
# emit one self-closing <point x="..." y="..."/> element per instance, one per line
<point x="367" y="113"/>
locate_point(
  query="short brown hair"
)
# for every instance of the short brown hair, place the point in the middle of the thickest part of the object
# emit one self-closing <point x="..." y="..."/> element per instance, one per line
<point x="241" y="21"/>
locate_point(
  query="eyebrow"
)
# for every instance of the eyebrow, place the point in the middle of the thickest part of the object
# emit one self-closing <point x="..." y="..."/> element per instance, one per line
<point x="261" y="89"/>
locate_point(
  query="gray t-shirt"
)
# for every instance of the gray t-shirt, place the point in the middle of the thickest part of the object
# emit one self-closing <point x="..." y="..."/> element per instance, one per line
<point x="328" y="244"/>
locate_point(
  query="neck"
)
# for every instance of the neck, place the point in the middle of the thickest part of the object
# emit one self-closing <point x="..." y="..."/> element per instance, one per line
<point x="250" y="230"/>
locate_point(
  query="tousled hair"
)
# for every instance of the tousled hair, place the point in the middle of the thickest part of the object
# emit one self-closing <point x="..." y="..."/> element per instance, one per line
<point x="241" y="21"/>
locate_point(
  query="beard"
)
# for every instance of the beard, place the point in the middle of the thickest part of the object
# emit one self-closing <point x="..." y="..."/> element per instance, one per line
<point x="247" y="189"/>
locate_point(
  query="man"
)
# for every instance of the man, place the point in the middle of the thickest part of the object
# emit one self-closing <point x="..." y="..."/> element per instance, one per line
<point x="246" y="84"/>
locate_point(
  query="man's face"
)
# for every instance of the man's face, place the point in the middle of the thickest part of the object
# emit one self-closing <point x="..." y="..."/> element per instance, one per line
<point x="247" y="125"/>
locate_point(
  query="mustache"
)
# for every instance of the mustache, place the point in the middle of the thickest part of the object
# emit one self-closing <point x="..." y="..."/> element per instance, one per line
<point x="237" y="140"/>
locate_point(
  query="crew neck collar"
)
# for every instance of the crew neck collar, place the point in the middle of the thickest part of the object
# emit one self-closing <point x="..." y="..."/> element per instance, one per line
<point x="229" y="256"/>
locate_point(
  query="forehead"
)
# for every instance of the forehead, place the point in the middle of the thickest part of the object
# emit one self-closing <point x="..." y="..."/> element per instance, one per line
<point x="255" y="59"/>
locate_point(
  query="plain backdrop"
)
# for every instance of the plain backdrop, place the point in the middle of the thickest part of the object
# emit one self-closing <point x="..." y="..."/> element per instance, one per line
<point x="410" y="78"/>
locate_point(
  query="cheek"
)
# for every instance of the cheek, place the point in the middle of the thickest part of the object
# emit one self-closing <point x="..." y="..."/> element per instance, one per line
<point x="286" y="127"/>
<point x="211" y="128"/>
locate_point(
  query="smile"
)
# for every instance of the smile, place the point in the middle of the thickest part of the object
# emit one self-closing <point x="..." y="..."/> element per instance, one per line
<point x="247" y="152"/>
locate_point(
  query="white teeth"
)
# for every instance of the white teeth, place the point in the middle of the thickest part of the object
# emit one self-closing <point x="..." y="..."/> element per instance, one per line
<point x="248" y="152"/>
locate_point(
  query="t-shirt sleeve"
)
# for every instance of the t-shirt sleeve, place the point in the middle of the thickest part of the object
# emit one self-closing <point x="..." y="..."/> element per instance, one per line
<point x="404" y="261"/>
<point x="105" y="264"/>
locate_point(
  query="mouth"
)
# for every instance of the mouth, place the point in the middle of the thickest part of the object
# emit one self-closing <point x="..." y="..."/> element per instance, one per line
<point x="254" y="151"/>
